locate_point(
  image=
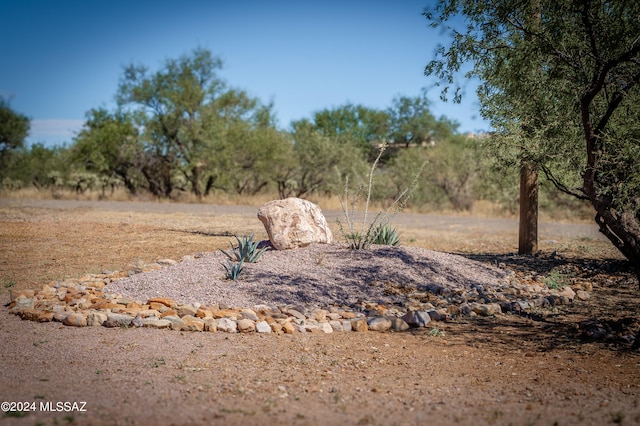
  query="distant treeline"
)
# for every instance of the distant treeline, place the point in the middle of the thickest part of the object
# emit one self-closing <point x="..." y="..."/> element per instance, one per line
<point x="182" y="130"/>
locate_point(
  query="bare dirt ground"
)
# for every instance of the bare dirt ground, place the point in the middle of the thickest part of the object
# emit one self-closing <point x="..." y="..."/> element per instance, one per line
<point x="509" y="369"/>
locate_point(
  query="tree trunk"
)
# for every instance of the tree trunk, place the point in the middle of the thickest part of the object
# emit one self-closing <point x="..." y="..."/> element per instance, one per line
<point x="528" y="233"/>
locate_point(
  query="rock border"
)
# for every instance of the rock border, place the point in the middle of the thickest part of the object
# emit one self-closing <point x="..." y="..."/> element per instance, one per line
<point x="82" y="302"/>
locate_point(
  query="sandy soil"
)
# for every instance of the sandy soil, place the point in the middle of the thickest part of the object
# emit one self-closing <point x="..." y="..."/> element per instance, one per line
<point x="502" y="370"/>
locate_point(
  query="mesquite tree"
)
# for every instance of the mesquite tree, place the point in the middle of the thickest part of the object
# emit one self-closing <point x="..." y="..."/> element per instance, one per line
<point x="560" y="84"/>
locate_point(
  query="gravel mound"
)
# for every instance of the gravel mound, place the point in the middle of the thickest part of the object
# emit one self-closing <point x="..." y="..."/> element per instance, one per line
<point x="320" y="274"/>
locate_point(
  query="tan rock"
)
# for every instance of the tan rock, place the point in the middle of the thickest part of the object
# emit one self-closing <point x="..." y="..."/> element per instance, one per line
<point x="184" y="310"/>
<point x="104" y="304"/>
<point x="44" y="316"/>
<point x="227" y="325"/>
<point x="359" y="325"/>
<point x="192" y="323"/>
<point x="163" y="300"/>
<point x="276" y="328"/>
<point x="28" y="314"/>
<point x="167" y="312"/>
<point x="226" y="313"/>
<point x="211" y="325"/>
<point x="14" y="294"/>
<point x="158" y="307"/>
<point x="204" y="313"/>
<point x="246" y="325"/>
<point x="96" y="318"/>
<point x="293" y="223"/>
<point x="75" y="319"/>
<point x="288" y="328"/>
<point x="156" y="323"/>
<point x="148" y="313"/>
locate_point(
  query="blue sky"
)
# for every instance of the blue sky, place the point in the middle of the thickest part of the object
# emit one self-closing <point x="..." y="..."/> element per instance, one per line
<point x="62" y="58"/>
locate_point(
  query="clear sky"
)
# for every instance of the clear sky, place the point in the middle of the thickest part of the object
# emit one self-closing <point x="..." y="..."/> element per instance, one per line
<point x="62" y="58"/>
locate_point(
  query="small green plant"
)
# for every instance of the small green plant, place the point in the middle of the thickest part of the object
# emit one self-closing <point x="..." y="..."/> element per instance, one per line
<point x="233" y="270"/>
<point x="436" y="332"/>
<point x="555" y="280"/>
<point x="157" y="362"/>
<point x="386" y="235"/>
<point x="246" y="251"/>
<point x="362" y="236"/>
<point x="10" y="284"/>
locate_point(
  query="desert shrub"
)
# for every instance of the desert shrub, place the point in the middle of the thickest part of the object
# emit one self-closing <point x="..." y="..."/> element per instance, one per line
<point x="361" y="234"/>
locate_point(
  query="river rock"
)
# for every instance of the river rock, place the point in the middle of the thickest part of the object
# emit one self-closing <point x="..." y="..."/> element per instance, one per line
<point x="263" y="327"/>
<point x="379" y="323"/>
<point x="417" y="318"/>
<point x="75" y="319"/>
<point x="227" y="325"/>
<point x="293" y="223"/>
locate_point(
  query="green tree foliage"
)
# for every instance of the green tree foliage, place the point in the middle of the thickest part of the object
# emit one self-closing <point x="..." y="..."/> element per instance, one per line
<point x="317" y="163"/>
<point x="411" y="122"/>
<point x="452" y="177"/>
<point x="39" y="166"/>
<point x="109" y="146"/>
<point x="14" y="128"/>
<point x="356" y="125"/>
<point x="187" y="114"/>
<point x="560" y="82"/>
<point x="257" y="152"/>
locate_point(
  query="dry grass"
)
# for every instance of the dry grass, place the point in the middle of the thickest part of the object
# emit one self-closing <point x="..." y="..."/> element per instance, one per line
<point x="481" y="208"/>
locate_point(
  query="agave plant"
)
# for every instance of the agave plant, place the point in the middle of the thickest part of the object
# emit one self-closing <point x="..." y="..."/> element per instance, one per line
<point x="246" y="251"/>
<point x="386" y="235"/>
<point x="233" y="269"/>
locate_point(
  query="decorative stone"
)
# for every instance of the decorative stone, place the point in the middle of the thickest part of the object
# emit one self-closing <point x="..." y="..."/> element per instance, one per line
<point x="249" y="314"/>
<point x="325" y="327"/>
<point x="336" y="326"/>
<point x="438" y="315"/>
<point x="210" y="324"/>
<point x="398" y="324"/>
<point x="184" y="310"/>
<point x="417" y="318"/>
<point x="226" y="313"/>
<point x="276" y="327"/>
<point x="75" y="319"/>
<point x="192" y="323"/>
<point x="156" y="323"/>
<point x="583" y="295"/>
<point x="204" y="313"/>
<point x="486" y="309"/>
<point x="359" y="325"/>
<point x="246" y="325"/>
<point x="163" y="300"/>
<point x="118" y="320"/>
<point x="288" y="328"/>
<point x="263" y="327"/>
<point x="96" y="319"/>
<point x="293" y="223"/>
<point x="176" y="321"/>
<point x="379" y="323"/>
<point x="227" y="325"/>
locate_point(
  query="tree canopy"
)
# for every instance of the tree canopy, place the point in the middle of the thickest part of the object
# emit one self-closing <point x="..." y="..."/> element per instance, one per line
<point x="559" y="82"/>
<point x="14" y="128"/>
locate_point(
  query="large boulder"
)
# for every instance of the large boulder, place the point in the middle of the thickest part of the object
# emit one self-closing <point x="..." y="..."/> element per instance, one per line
<point x="293" y="223"/>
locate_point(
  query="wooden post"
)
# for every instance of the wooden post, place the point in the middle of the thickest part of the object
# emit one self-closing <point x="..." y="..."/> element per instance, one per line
<point x="528" y="238"/>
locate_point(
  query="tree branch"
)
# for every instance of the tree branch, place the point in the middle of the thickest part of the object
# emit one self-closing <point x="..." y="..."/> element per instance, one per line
<point x="562" y="187"/>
